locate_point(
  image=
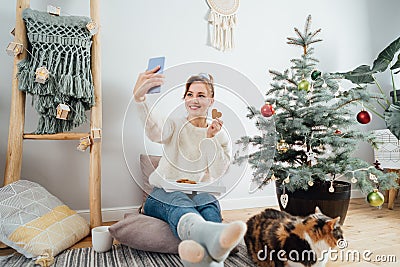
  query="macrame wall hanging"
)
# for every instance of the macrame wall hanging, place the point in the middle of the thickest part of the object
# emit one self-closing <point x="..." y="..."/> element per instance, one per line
<point x="223" y="19"/>
<point x="57" y="69"/>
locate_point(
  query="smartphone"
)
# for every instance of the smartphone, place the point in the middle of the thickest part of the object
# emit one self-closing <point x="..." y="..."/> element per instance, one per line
<point x="154" y="62"/>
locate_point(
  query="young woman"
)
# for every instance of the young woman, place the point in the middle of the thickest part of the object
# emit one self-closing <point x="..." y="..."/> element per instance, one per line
<point x="194" y="150"/>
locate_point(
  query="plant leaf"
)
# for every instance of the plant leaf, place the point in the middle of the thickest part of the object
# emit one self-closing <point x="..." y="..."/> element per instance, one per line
<point x="386" y="56"/>
<point x="397" y="64"/>
<point x="392" y="119"/>
<point x="361" y="74"/>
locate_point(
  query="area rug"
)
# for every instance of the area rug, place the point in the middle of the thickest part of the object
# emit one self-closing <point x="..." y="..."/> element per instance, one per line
<point x="119" y="256"/>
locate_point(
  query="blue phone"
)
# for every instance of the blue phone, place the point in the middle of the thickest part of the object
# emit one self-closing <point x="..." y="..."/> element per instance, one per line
<point x="154" y="62"/>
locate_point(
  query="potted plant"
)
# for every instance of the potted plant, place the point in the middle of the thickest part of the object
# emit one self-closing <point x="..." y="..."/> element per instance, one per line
<point x="310" y="159"/>
<point x="364" y="75"/>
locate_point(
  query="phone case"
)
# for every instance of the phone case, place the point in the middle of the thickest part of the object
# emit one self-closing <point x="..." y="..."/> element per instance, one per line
<point x="154" y="62"/>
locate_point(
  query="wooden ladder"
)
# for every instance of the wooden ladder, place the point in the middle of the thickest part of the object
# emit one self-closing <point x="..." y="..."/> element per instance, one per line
<point x="16" y="134"/>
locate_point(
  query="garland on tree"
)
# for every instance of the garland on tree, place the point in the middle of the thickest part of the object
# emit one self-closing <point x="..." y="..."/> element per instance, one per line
<point x="62" y="45"/>
<point x="315" y="127"/>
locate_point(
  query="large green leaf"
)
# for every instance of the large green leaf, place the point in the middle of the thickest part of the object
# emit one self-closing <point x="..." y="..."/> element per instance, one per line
<point x="386" y="56"/>
<point x="361" y="74"/>
<point x="397" y="64"/>
<point x="392" y="119"/>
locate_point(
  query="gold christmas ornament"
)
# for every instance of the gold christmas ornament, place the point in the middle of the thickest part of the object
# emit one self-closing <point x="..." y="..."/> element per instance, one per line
<point x="375" y="198"/>
<point x="282" y="146"/>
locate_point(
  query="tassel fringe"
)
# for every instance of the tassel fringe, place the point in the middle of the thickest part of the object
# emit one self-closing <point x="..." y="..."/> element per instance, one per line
<point x="64" y="49"/>
<point x="223" y="26"/>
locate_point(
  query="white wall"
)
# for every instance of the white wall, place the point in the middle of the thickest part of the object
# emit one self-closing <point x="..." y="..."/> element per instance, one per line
<point x="132" y="31"/>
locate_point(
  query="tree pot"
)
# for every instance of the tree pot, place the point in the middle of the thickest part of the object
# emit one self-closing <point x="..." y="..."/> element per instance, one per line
<point x="303" y="203"/>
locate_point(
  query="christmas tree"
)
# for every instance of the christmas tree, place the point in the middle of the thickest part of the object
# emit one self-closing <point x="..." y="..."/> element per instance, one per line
<point x="315" y="128"/>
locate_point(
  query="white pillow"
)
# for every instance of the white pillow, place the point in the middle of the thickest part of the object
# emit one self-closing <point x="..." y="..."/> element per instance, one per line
<point x="37" y="224"/>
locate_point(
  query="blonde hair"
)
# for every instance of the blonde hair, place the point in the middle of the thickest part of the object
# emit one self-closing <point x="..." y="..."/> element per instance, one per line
<point x="205" y="78"/>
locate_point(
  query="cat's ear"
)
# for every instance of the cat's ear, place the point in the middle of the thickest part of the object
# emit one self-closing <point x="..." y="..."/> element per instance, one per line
<point x="317" y="210"/>
<point x="332" y="223"/>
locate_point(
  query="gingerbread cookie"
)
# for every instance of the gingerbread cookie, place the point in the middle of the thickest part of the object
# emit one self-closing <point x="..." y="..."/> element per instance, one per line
<point x="186" y="181"/>
<point x="215" y="114"/>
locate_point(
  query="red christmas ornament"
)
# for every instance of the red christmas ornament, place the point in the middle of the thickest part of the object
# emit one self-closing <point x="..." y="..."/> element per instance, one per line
<point x="363" y="117"/>
<point x="267" y="110"/>
<point x="338" y="131"/>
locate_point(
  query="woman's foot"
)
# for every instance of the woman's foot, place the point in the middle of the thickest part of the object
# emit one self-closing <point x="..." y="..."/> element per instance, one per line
<point x="217" y="238"/>
<point x="191" y="251"/>
<point x="193" y="254"/>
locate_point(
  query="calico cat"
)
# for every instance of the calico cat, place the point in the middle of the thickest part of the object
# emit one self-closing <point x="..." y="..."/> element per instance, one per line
<point x="276" y="238"/>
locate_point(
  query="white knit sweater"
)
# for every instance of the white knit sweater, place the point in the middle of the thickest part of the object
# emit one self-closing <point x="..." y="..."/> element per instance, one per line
<point x="187" y="152"/>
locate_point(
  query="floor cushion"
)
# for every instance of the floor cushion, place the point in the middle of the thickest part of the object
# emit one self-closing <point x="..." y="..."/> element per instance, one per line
<point x="145" y="233"/>
<point x="36" y="223"/>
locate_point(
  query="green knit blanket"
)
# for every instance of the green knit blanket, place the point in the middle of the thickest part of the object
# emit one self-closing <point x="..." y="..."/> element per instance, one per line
<point x="62" y="45"/>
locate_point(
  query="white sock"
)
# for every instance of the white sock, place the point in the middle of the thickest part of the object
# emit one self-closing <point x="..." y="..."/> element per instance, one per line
<point x="218" y="238"/>
<point x="193" y="254"/>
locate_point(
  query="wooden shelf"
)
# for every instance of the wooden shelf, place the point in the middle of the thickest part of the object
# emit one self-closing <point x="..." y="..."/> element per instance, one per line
<point x="59" y="136"/>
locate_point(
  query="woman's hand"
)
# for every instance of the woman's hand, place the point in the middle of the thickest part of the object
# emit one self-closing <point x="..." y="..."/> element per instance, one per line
<point x="214" y="128"/>
<point x="145" y="82"/>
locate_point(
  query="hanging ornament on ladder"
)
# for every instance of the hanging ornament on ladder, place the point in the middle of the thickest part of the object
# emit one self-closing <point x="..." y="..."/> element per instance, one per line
<point x="223" y="19"/>
<point x="52" y="10"/>
<point x="84" y="143"/>
<point x="62" y="111"/>
<point x="14" y="49"/>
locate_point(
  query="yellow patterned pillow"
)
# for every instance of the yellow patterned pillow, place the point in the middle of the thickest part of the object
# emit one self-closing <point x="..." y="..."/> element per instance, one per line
<point x="37" y="224"/>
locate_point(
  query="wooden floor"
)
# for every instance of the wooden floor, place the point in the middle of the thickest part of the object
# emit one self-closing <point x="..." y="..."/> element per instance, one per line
<point x="368" y="230"/>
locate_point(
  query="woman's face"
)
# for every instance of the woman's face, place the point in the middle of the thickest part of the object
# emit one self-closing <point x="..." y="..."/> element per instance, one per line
<point x="198" y="99"/>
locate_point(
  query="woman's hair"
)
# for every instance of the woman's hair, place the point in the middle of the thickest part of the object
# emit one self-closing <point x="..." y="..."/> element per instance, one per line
<point x="205" y="78"/>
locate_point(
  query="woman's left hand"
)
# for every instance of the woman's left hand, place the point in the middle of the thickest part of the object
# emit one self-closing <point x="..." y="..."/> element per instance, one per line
<point x="214" y="128"/>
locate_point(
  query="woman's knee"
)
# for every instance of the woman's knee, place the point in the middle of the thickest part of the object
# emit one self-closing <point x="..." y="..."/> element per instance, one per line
<point x="178" y="198"/>
<point x="204" y="199"/>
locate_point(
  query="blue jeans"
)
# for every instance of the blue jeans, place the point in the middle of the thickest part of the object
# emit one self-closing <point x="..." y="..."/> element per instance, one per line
<point x="171" y="206"/>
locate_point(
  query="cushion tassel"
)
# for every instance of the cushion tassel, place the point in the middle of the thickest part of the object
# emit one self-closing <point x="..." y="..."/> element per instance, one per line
<point x="45" y="261"/>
